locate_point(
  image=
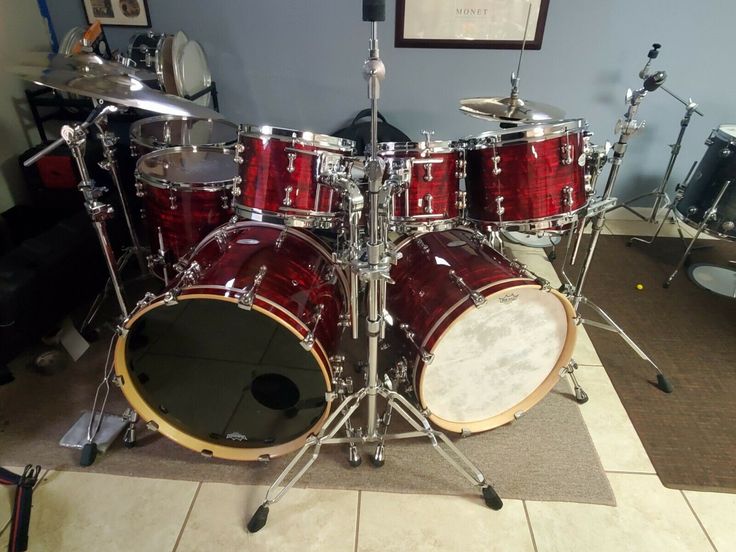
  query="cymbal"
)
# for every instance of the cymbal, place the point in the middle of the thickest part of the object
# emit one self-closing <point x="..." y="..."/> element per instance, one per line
<point x="84" y="63"/>
<point x="114" y="88"/>
<point x="510" y="109"/>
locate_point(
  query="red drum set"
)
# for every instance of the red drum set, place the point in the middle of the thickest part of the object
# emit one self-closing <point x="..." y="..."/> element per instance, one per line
<point x="235" y="357"/>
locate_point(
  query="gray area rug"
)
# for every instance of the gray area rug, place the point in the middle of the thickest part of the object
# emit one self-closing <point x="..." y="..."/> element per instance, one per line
<point x="546" y="455"/>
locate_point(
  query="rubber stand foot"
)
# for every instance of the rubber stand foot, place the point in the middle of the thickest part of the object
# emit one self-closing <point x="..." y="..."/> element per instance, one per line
<point x="354" y="463"/>
<point x="664" y="384"/>
<point x="666" y="285"/>
<point x="89" y="453"/>
<point x="551" y="256"/>
<point x="493" y="501"/>
<point x="581" y="396"/>
<point x="129" y="439"/>
<point x="377" y="463"/>
<point x="259" y="519"/>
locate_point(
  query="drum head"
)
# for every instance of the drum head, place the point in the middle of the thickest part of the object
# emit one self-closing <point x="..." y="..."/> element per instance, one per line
<point x="498" y="360"/>
<point x="232" y="382"/>
<point x="170" y="131"/>
<point x="188" y="166"/>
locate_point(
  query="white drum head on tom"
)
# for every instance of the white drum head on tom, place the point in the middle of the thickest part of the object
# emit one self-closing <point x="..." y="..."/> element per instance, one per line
<point x="728" y="129"/>
<point x="495" y="357"/>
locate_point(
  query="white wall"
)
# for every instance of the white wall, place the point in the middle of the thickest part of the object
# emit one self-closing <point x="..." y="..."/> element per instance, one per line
<point x="21" y="29"/>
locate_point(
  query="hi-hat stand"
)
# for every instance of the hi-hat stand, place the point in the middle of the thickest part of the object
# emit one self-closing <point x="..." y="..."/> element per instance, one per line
<point x="375" y="271"/>
<point x="627" y="128"/>
<point x="660" y="193"/>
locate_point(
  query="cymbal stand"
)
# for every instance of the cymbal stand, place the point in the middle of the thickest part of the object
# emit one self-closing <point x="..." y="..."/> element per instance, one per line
<point x="374" y="271"/>
<point x="659" y="193"/>
<point x="75" y="137"/>
<point x="628" y="127"/>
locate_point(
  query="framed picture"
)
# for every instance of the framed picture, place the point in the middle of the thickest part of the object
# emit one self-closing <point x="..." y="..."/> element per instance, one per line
<point x="470" y="23"/>
<point x="120" y="13"/>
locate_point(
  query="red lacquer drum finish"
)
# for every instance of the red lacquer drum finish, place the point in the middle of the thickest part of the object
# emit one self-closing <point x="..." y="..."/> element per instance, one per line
<point x="483" y="340"/>
<point x="283" y="175"/>
<point x="529" y="178"/>
<point x="273" y="297"/>
<point x="187" y="192"/>
<point x="430" y="196"/>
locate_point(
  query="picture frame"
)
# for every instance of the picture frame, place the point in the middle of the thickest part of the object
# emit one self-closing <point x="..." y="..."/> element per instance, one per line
<point x="118" y="13"/>
<point x="476" y="24"/>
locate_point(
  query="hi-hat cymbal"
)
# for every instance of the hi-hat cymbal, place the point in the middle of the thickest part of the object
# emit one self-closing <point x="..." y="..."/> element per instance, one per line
<point x="510" y="109"/>
<point x="114" y="88"/>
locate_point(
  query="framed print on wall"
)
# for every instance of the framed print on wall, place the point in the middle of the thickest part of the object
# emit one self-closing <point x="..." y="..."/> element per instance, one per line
<point x="120" y="13"/>
<point x="469" y="23"/>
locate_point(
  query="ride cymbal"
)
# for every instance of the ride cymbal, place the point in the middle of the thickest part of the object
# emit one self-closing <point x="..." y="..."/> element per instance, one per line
<point x="510" y="109"/>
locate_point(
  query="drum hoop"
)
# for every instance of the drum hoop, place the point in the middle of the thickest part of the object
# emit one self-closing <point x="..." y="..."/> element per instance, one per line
<point x="527" y="402"/>
<point x="136" y="127"/>
<point x="157" y="60"/>
<point x="724" y="136"/>
<point x="319" y="141"/>
<point x="177" y="434"/>
<point x="524" y="135"/>
<point x="167" y="184"/>
<point x="572" y="215"/>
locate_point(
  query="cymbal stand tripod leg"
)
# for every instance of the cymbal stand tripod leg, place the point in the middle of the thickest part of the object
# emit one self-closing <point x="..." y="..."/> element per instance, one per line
<point x="629" y="126"/>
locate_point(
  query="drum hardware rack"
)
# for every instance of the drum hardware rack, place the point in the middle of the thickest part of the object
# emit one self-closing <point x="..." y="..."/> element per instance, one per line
<point x="374" y="271"/>
<point x="627" y="128"/>
<point x="75" y="138"/>
<point x="660" y="194"/>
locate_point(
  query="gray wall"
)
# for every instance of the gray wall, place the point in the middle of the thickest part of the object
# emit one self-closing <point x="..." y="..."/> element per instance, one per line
<point x="298" y="64"/>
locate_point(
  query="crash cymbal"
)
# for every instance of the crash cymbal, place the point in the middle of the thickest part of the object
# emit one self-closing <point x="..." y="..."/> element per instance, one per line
<point x="510" y="109"/>
<point x="118" y="89"/>
<point x="84" y="63"/>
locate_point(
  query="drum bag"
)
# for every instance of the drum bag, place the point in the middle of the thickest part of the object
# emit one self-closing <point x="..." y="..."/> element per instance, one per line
<point x="20" y="519"/>
<point x="360" y="131"/>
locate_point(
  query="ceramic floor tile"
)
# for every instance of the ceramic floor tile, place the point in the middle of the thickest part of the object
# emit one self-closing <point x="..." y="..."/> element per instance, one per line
<point x="614" y="436"/>
<point x="648" y="517"/>
<point x="306" y="519"/>
<point x="717" y="513"/>
<point x="399" y="522"/>
<point x="106" y="513"/>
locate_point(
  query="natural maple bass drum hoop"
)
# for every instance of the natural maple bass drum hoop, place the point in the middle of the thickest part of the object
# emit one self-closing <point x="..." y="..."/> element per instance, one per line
<point x="483" y="341"/>
<point x="235" y="359"/>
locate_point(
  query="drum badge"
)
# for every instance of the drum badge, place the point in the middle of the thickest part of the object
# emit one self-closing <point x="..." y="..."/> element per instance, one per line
<point x="509" y="298"/>
<point x="235" y="436"/>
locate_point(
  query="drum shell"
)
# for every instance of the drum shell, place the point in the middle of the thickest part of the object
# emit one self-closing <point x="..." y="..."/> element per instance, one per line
<point x="429" y="301"/>
<point x="717" y="166"/>
<point x="534" y="182"/>
<point x="146" y="135"/>
<point x="299" y="275"/>
<point x="281" y="179"/>
<point x="432" y="197"/>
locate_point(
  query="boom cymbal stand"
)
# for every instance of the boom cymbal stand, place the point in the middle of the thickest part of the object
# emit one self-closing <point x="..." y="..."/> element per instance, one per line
<point x="75" y="137"/>
<point x="374" y="271"/>
<point x="627" y="128"/>
<point x="660" y="193"/>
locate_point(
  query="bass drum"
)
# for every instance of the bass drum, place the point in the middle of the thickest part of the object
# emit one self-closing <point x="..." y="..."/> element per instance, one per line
<point x="484" y="342"/>
<point x="716" y="169"/>
<point x="234" y="360"/>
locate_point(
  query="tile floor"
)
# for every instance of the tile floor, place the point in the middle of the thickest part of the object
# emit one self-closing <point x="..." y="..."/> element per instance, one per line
<point x="76" y="511"/>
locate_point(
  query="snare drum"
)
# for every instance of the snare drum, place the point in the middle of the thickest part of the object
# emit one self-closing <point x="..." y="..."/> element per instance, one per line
<point x="234" y="361"/>
<point x="167" y="131"/>
<point x="429" y="197"/>
<point x="153" y="51"/>
<point x="484" y="341"/>
<point x="284" y="174"/>
<point x="529" y="178"/>
<point x="716" y="169"/>
<point x="187" y="192"/>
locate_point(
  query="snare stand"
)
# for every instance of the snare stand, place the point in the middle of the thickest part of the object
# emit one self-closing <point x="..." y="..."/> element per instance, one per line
<point x="628" y="127"/>
<point x="376" y="273"/>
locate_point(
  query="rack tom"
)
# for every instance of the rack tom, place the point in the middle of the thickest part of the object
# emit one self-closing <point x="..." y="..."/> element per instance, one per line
<point x="529" y="178"/>
<point x="428" y="195"/>
<point x="186" y="192"/>
<point x="170" y="131"/>
<point x="285" y="175"/>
